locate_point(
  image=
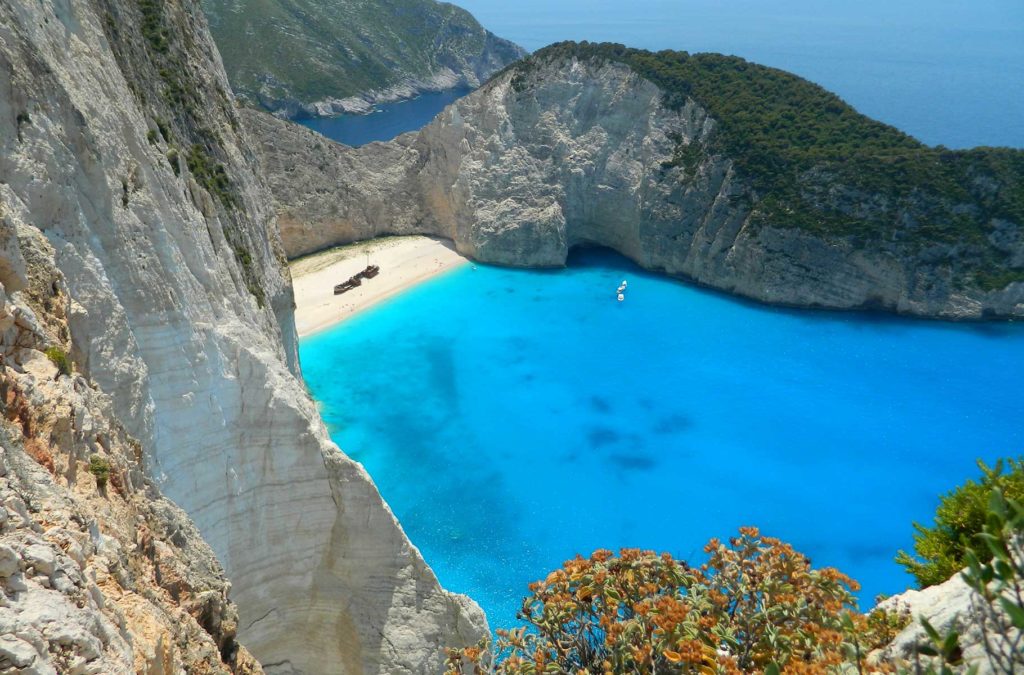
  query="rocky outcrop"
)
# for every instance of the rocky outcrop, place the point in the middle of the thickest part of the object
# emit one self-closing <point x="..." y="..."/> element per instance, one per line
<point x="317" y="57"/>
<point x="99" y="572"/>
<point x="563" y="152"/>
<point x="124" y="166"/>
<point x="950" y="606"/>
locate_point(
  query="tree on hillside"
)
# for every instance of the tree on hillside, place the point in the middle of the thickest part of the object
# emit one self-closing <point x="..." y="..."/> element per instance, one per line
<point x="941" y="550"/>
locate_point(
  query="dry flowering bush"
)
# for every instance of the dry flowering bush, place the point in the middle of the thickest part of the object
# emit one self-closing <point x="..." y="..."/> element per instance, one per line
<point x="756" y="605"/>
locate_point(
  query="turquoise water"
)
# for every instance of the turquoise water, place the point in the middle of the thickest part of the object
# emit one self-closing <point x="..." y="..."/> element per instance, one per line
<point x="388" y="120"/>
<point x="515" y="418"/>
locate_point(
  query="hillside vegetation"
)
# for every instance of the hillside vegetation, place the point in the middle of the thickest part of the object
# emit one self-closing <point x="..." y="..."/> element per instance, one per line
<point x="289" y="52"/>
<point x="812" y="161"/>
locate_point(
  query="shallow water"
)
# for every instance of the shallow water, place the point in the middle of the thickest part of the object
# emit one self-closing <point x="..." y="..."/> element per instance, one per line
<point x="515" y="418"/>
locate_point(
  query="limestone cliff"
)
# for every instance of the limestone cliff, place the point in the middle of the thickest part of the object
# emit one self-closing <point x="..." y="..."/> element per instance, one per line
<point x="139" y="232"/>
<point x="99" y="573"/>
<point x="572" y="147"/>
<point x="323" y="57"/>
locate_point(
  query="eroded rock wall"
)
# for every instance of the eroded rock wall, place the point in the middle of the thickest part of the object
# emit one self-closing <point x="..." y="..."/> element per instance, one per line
<point x="120" y="147"/>
<point x="569" y="152"/>
<point x="99" y="572"/>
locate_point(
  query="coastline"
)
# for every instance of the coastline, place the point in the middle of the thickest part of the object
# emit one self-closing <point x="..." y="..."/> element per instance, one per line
<point x="404" y="262"/>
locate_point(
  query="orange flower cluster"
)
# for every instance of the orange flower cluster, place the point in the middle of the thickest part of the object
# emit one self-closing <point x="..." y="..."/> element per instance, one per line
<point x="756" y="604"/>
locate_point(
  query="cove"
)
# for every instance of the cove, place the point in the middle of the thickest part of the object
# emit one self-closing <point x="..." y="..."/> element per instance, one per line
<point x="387" y="121"/>
<point x="515" y="418"/>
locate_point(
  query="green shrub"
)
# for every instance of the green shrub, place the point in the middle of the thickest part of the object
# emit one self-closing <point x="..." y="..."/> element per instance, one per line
<point x="153" y="26"/>
<point x="100" y="468"/>
<point x="995" y="574"/>
<point x="23" y="118"/>
<point x="60" y="359"/>
<point x="210" y="174"/>
<point x="162" y="126"/>
<point x="172" y="159"/>
<point x="151" y="136"/>
<point x="941" y="550"/>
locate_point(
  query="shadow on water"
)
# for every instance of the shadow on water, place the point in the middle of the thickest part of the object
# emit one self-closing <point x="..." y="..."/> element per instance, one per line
<point x="600" y="404"/>
<point x="633" y="461"/>
<point x="877" y="320"/>
<point x="673" y="424"/>
<point x="600" y="437"/>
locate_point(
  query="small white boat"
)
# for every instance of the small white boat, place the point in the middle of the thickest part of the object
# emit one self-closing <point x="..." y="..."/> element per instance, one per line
<point x="621" y="297"/>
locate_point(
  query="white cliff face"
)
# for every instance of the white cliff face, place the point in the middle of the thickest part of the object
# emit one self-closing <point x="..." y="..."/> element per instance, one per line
<point x="179" y="308"/>
<point x="565" y="152"/>
<point x="949" y="606"/>
<point x="99" y="572"/>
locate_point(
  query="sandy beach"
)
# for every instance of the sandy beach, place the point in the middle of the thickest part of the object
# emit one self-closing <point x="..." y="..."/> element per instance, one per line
<point x="403" y="261"/>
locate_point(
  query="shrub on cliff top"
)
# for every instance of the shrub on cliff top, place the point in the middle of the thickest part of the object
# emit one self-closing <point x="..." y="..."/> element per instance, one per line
<point x="756" y="605"/>
<point x="941" y="549"/>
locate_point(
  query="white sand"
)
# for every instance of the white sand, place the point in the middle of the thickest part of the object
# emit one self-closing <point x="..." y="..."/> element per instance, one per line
<point x="404" y="262"/>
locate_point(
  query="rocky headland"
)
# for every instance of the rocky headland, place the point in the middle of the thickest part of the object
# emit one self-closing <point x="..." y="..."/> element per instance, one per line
<point x="319" y="57"/>
<point x="708" y="168"/>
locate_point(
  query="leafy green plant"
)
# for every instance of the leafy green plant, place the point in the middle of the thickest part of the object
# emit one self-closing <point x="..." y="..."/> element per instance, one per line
<point x="941" y="550"/>
<point x="944" y="651"/>
<point x="995" y="571"/>
<point x="100" y="468"/>
<point x="997" y="601"/>
<point x="153" y="26"/>
<point x="161" y="125"/>
<point x="756" y="605"/>
<point x="210" y="174"/>
<point x="60" y="359"/>
<point x="23" y="118"/>
<point x="172" y="159"/>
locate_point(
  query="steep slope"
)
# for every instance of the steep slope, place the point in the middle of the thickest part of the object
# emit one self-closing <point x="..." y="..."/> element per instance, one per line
<point x="318" y="57"/>
<point x="706" y="167"/>
<point x="120" y="147"/>
<point x="98" y="571"/>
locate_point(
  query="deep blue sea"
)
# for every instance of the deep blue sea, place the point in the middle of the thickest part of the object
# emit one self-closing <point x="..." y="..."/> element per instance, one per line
<point x="389" y="120"/>
<point x="949" y="72"/>
<point x="515" y="418"/>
